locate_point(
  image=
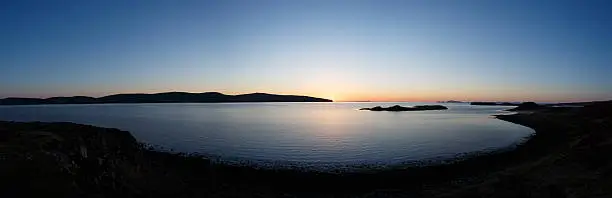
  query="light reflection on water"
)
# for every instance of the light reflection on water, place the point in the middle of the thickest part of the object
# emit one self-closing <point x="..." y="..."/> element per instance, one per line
<point x="304" y="133"/>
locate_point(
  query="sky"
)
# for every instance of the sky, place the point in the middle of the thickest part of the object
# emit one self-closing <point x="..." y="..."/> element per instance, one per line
<point x="353" y="50"/>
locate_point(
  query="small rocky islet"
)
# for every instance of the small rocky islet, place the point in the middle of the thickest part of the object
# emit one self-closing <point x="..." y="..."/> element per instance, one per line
<point x="568" y="156"/>
<point x="401" y="108"/>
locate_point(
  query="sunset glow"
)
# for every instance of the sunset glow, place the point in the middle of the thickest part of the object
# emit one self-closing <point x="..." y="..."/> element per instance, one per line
<point x="344" y="50"/>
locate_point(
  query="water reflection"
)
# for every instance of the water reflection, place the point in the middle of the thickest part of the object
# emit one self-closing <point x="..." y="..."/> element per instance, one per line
<point x="298" y="132"/>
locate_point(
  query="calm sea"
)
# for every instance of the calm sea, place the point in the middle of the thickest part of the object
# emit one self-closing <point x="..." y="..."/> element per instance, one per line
<point x="309" y="134"/>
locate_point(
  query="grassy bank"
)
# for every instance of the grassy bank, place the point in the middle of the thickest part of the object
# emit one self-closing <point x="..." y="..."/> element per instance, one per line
<point x="567" y="157"/>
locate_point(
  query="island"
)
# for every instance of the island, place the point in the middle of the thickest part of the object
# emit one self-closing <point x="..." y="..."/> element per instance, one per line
<point x="451" y="101"/>
<point x="167" y="97"/>
<point x="400" y="108"/>
<point x="527" y="106"/>
<point x="493" y="103"/>
<point x="567" y="155"/>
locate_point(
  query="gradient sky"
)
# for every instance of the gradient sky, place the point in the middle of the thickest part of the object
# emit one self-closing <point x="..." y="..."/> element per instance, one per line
<point x="343" y="50"/>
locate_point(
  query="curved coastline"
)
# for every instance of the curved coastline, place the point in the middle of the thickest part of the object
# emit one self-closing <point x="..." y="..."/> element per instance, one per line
<point x="556" y="148"/>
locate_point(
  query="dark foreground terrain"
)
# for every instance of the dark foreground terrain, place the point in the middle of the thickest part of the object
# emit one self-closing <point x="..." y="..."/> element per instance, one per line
<point x="569" y="156"/>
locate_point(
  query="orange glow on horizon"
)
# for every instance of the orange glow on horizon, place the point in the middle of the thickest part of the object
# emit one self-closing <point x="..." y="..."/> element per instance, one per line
<point x="352" y="95"/>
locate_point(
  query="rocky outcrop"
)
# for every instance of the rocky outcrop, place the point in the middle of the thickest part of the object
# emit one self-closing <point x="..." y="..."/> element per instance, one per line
<point x="72" y="160"/>
<point x="493" y="103"/>
<point x="451" y="101"/>
<point x="526" y="106"/>
<point x="400" y="108"/>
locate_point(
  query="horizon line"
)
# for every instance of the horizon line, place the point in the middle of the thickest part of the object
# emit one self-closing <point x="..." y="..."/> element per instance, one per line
<point x="366" y="100"/>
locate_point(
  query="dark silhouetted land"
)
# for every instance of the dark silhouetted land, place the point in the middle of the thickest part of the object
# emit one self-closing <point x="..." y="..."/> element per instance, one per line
<point x="525" y="106"/>
<point x="451" y="101"/>
<point x="568" y="156"/>
<point x="400" y="108"/>
<point x="168" y="97"/>
<point x="494" y="103"/>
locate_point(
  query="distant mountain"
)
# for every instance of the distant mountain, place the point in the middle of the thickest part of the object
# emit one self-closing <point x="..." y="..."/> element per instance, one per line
<point x="168" y="97"/>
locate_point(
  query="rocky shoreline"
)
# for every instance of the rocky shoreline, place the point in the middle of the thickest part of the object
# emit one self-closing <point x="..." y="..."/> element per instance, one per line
<point x="400" y="108"/>
<point x="567" y="157"/>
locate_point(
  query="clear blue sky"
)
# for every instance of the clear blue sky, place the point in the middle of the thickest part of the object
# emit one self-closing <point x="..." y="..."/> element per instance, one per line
<point x="345" y="50"/>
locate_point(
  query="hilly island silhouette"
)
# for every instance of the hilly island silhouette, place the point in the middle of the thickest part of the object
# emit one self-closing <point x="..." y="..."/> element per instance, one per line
<point x="166" y="97"/>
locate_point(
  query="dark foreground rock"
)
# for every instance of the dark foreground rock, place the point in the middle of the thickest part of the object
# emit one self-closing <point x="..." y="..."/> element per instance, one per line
<point x="400" y="108"/>
<point x="567" y="157"/>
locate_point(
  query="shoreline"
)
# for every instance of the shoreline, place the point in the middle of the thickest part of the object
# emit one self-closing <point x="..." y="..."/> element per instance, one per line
<point x="325" y="167"/>
<point x="114" y="164"/>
